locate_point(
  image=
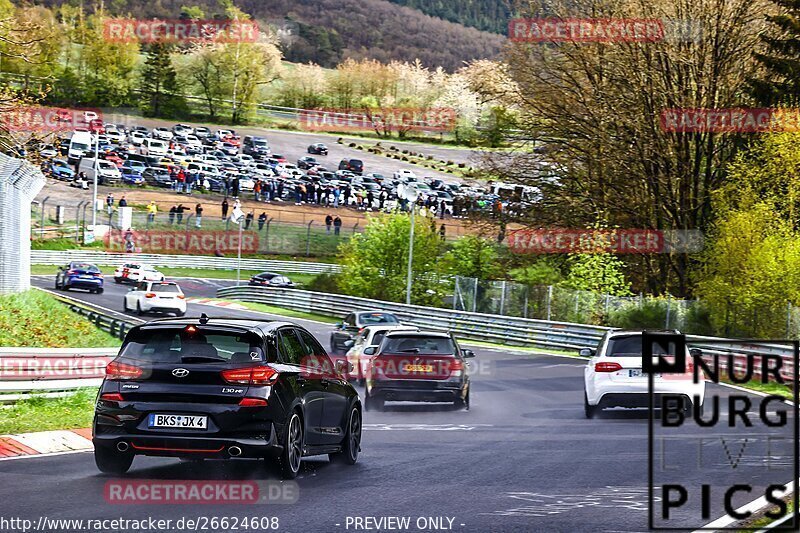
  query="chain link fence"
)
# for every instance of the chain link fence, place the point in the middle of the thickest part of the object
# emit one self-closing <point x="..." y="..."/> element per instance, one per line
<point x="694" y="317"/>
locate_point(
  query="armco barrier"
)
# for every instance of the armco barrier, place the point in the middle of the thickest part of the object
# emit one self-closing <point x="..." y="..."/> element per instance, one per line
<point x="59" y="257"/>
<point x="495" y="328"/>
<point x="475" y="326"/>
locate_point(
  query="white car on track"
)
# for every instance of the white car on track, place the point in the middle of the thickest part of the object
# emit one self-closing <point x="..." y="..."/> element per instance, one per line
<point x="136" y="272"/>
<point x="613" y="377"/>
<point x="155" y="296"/>
<point x="369" y="336"/>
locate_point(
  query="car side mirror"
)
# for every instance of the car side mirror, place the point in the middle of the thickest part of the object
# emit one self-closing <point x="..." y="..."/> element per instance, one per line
<point x="696" y="352"/>
<point x="348" y="343"/>
<point x="467" y="354"/>
<point x="370" y="350"/>
<point x="586" y="352"/>
<point x="343" y="367"/>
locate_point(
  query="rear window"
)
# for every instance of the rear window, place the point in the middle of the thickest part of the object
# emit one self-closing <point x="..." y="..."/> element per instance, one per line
<point x="165" y="287"/>
<point x="630" y="346"/>
<point x="377" y="318"/>
<point x="85" y="266"/>
<point x="419" y="344"/>
<point x="203" y="345"/>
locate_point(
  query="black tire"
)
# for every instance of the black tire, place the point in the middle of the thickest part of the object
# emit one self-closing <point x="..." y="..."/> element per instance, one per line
<point x="110" y="461"/>
<point x="292" y="447"/>
<point x="462" y="403"/>
<point x="352" y="440"/>
<point x="100" y="290"/>
<point x="58" y="286"/>
<point x="118" y="280"/>
<point x="139" y="309"/>
<point x="588" y="410"/>
<point x="125" y="304"/>
<point x="374" y="403"/>
<point x="180" y="313"/>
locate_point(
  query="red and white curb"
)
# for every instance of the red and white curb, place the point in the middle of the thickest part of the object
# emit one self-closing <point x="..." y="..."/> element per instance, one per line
<point x="217" y="303"/>
<point x="45" y="443"/>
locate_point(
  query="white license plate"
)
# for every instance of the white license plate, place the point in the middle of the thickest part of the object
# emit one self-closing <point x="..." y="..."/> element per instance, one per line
<point x="639" y="373"/>
<point x="178" y="421"/>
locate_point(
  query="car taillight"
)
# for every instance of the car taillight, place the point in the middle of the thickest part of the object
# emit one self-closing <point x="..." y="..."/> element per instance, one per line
<point x="257" y="375"/>
<point x="111" y="397"/>
<point x="71" y="272"/>
<point x="456" y="368"/>
<point x="607" y="367"/>
<point x="253" y="402"/>
<point x="122" y="371"/>
<point x="150" y="295"/>
<point x="97" y="274"/>
<point x="182" y="296"/>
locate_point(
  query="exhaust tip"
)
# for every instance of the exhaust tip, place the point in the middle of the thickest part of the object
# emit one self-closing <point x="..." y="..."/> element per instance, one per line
<point x="122" y="446"/>
<point x="234" y="451"/>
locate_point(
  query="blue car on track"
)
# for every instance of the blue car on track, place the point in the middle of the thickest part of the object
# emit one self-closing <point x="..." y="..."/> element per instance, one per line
<point x="77" y="275"/>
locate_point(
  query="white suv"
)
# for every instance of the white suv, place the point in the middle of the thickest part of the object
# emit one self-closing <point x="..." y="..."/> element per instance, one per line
<point x="613" y="377"/>
<point x="369" y="336"/>
<point x="156" y="296"/>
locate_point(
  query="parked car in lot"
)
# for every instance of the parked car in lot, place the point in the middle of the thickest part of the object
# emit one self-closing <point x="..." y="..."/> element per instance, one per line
<point x="353" y="324"/>
<point x="255" y="146"/>
<point x="369" y="336"/>
<point x="417" y="367"/>
<point x="78" y="275"/>
<point x="129" y="177"/>
<point x="224" y="388"/>
<point x="157" y="176"/>
<point x="355" y="166"/>
<point x="271" y="279"/>
<point x="107" y="172"/>
<point x="318" y="149"/>
<point x="136" y="272"/>
<point x="61" y="170"/>
<point x="307" y="162"/>
<point x="155" y="297"/>
<point x="163" y="134"/>
<point x="613" y="377"/>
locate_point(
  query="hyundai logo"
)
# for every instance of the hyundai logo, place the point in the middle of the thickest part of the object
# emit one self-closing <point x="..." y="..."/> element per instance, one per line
<point x="180" y="372"/>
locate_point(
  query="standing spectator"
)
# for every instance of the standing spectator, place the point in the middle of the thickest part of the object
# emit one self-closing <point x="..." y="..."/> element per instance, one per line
<point x="123" y="202"/>
<point x="382" y="199"/>
<point x="198" y="215"/>
<point x="152" y="209"/>
<point x="347" y="192"/>
<point x="336" y="193"/>
<point x="235" y="186"/>
<point x="280" y="190"/>
<point x="370" y="200"/>
<point x="262" y="219"/>
<point x="191" y="178"/>
<point x="172" y="211"/>
<point x="337" y="225"/>
<point x="442" y="231"/>
<point x="328" y="222"/>
<point x="442" y="209"/>
<point x="297" y="193"/>
<point x="110" y="203"/>
<point x="179" y="211"/>
<point x="181" y="176"/>
<point x="248" y="220"/>
<point x="257" y="191"/>
<point x="224" y="209"/>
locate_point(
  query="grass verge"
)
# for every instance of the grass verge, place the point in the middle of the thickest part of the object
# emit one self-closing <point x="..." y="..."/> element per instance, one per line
<point x="289" y="313"/>
<point x="27" y="319"/>
<point x="38" y="413"/>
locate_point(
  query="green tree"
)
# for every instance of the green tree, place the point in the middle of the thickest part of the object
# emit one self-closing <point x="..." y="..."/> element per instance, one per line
<point x="375" y="262"/>
<point x="780" y="83"/>
<point x="542" y="272"/>
<point x="473" y="257"/>
<point x="159" y="84"/>
<point x="603" y="273"/>
<point x="110" y="67"/>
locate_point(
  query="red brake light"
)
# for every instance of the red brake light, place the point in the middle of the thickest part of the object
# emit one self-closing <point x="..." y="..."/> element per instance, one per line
<point x="122" y="371"/>
<point x="257" y="375"/>
<point x="607" y="367"/>
<point x="70" y="272"/>
<point x="150" y="295"/>
<point x="253" y="402"/>
<point x="456" y="367"/>
<point x="111" y="397"/>
<point x="181" y="297"/>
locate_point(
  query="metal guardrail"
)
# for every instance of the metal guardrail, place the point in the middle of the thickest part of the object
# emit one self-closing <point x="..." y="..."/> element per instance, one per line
<point x="475" y="326"/>
<point x="59" y="257"/>
<point x="497" y="328"/>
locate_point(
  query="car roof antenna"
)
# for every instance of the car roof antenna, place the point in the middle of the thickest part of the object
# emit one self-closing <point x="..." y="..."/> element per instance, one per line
<point x="204" y="318"/>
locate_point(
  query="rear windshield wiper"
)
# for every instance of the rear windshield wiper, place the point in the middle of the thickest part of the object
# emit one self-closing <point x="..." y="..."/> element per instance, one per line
<point x="412" y="350"/>
<point x="201" y="359"/>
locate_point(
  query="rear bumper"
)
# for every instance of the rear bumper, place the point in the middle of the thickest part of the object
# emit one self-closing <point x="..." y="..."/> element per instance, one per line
<point x="218" y="447"/>
<point x="418" y="390"/>
<point x="85" y="283"/>
<point x="641" y="400"/>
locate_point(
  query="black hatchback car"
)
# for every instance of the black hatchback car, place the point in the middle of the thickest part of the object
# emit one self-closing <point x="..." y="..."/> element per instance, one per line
<point x="410" y="366"/>
<point x="224" y="388"/>
<point x="271" y="279"/>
